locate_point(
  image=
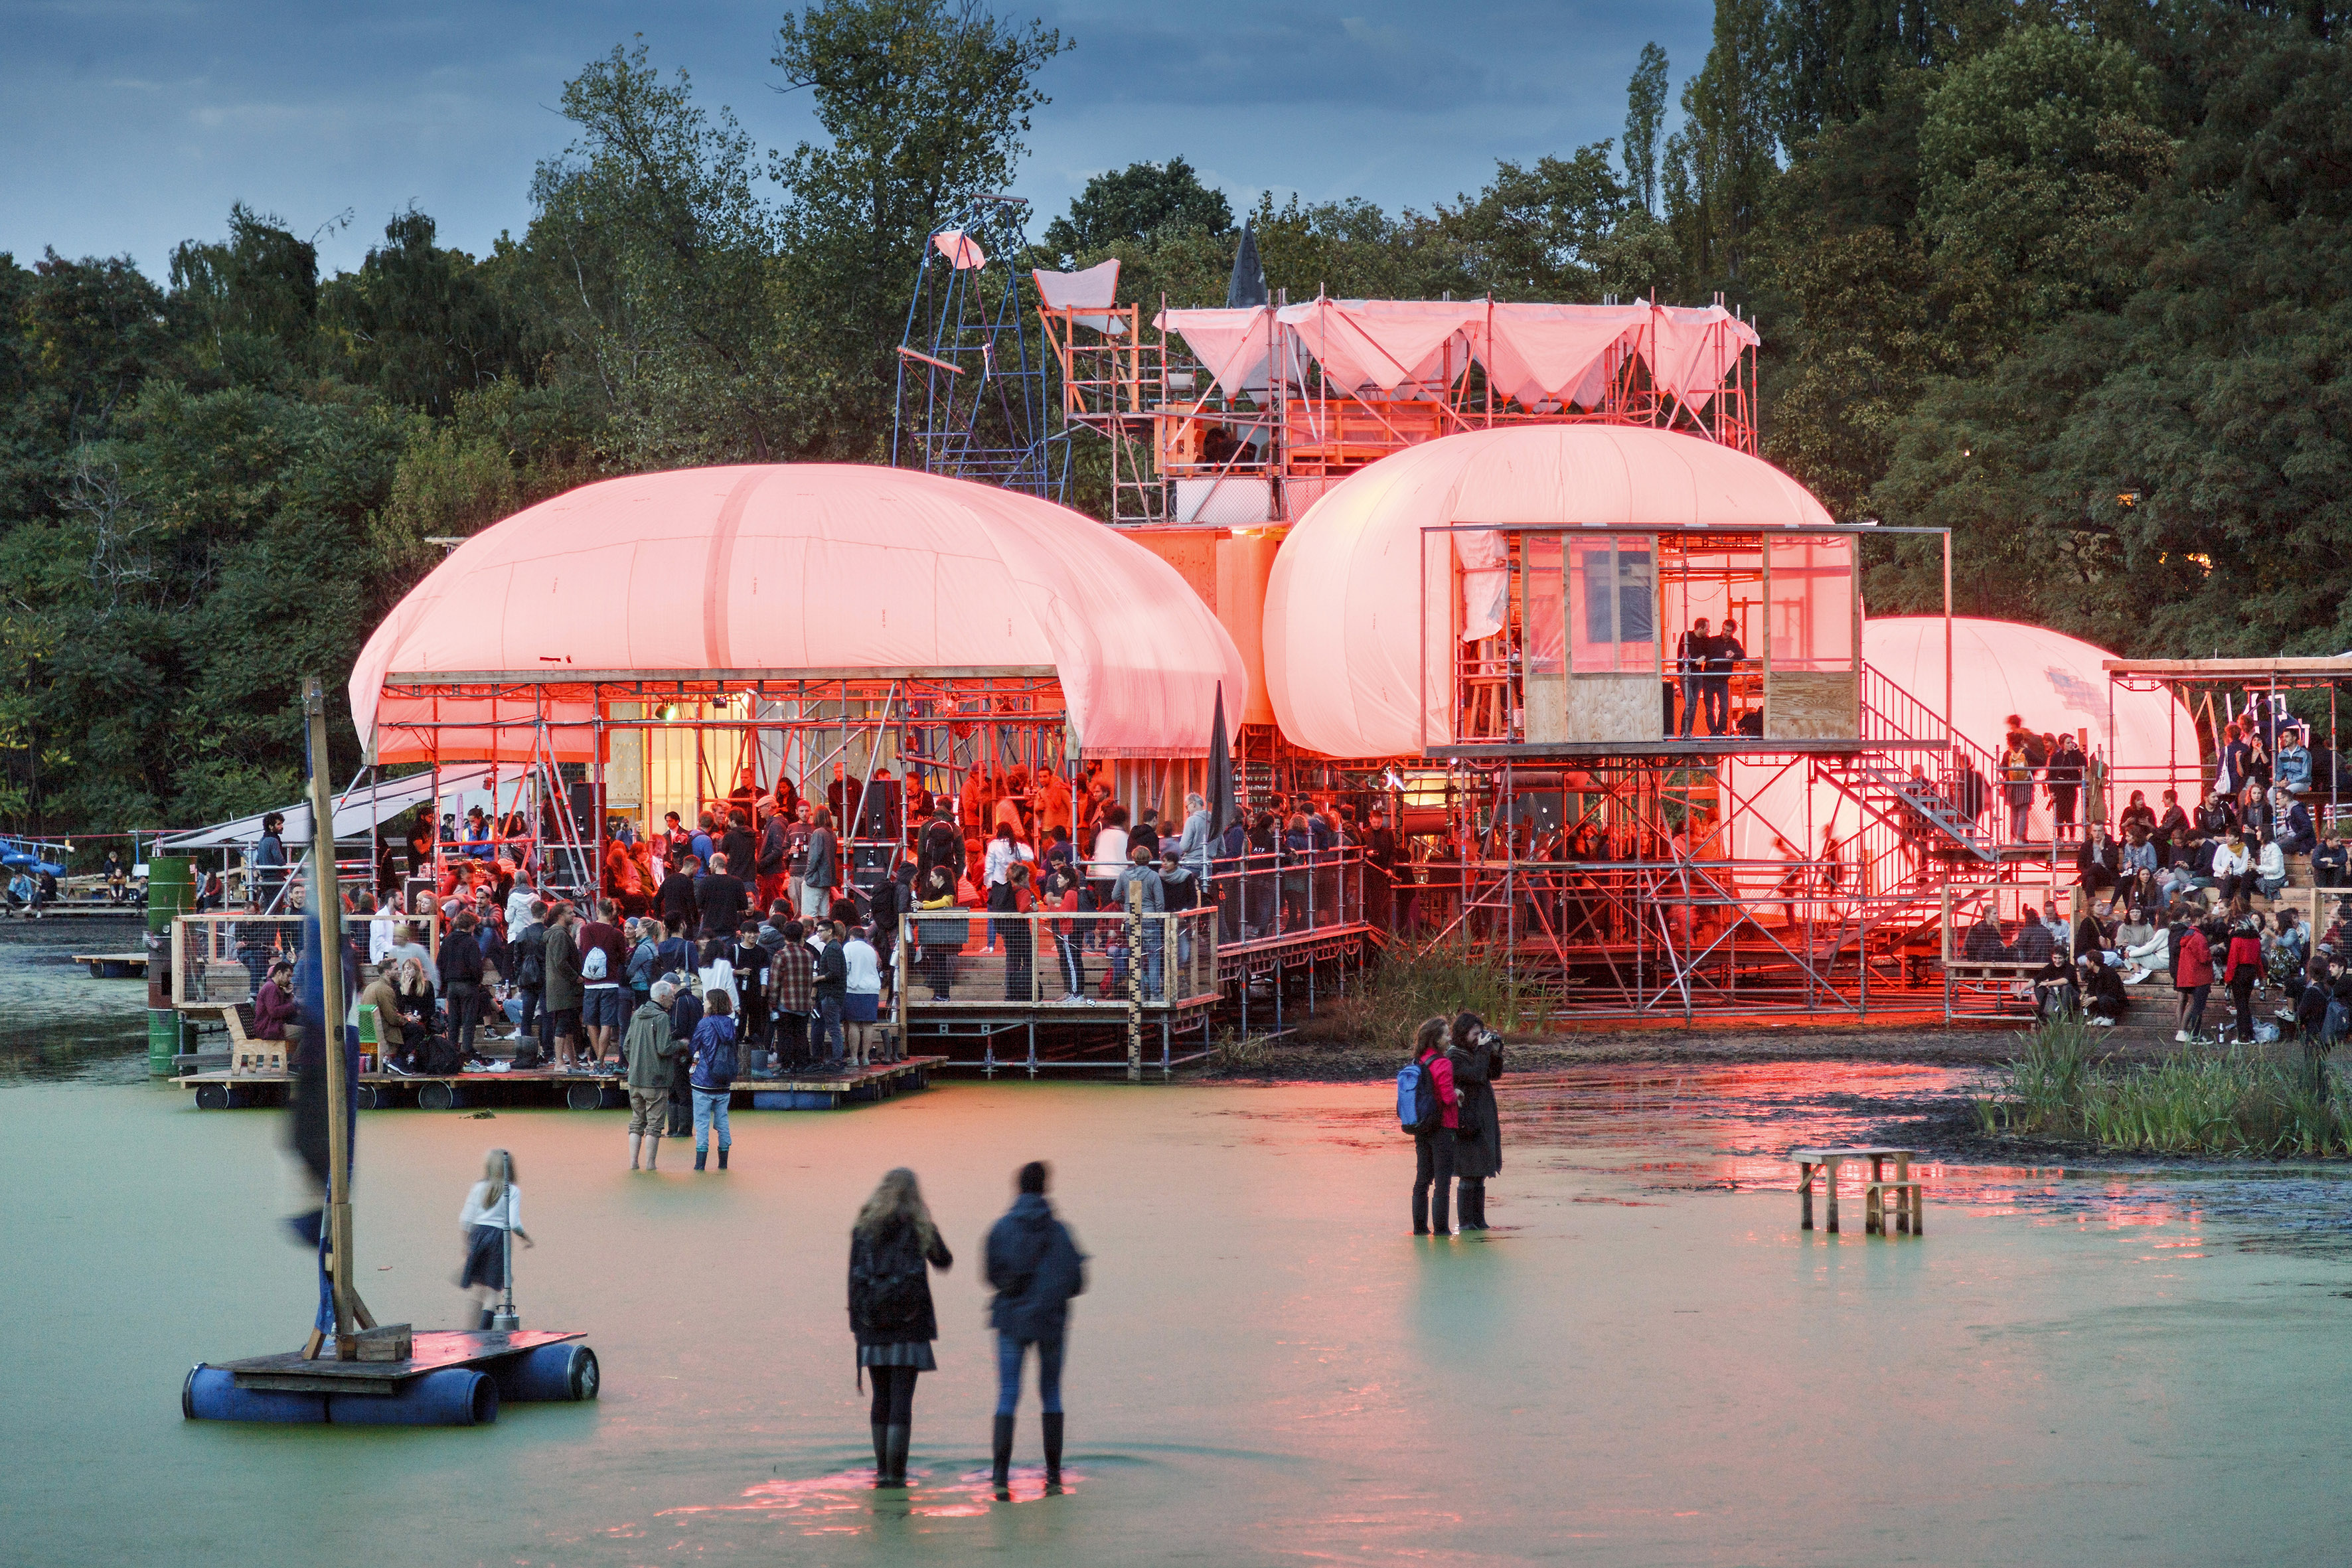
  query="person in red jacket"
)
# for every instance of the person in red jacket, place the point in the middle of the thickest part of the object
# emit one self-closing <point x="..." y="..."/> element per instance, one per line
<point x="2245" y="966"/>
<point x="1433" y="1153"/>
<point x="2193" y="974"/>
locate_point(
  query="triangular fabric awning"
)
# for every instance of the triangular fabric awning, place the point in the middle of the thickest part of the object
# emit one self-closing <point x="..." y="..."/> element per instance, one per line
<point x="1693" y="350"/>
<point x="1556" y="354"/>
<point x="1234" y="346"/>
<point x="1382" y="343"/>
<point x="962" y="251"/>
<point x="1076" y="290"/>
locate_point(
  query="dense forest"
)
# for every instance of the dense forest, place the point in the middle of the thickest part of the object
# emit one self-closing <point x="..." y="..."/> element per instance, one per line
<point x="2071" y="278"/>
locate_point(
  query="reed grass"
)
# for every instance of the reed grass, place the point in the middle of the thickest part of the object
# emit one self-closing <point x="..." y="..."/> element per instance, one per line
<point x="1384" y="1010"/>
<point x="2219" y="1101"/>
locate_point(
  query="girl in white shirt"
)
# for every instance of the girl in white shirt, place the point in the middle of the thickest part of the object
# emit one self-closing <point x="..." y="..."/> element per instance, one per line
<point x="863" y="1004"/>
<point x="493" y="1207"/>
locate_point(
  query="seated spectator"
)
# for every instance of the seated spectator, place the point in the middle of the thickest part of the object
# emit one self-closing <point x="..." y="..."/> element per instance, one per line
<point x="2270" y="868"/>
<point x="2137" y="816"/>
<point x="2055" y="992"/>
<point x="2233" y="869"/>
<point x="2144" y="947"/>
<point x="2292" y="772"/>
<point x="2291" y="824"/>
<point x="2102" y="991"/>
<point x="2034" y="944"/>
<point x="274" y="1010"/>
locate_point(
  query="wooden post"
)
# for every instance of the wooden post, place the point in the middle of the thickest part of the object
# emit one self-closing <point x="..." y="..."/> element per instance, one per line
<point x="351" y="1313"/>
<point x="1135" y="982"/>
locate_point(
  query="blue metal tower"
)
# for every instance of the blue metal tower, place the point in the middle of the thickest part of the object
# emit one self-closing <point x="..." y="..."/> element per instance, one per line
<point x="972" y="399"/>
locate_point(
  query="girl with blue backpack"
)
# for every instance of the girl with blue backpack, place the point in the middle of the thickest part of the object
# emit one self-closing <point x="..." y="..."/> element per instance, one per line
<point x="713" y="1079"/>
<point x="1428" y="1108"/>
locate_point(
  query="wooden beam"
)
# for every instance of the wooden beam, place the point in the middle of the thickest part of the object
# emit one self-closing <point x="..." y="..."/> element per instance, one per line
<point x="2228" y="669"/>
<point x="564" y="675"/>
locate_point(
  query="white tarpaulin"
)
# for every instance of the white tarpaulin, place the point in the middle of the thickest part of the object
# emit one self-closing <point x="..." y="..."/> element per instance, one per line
<point x="1234" y="346"/>
<point x="1538" y="355"/>
<point x="1077" y="290"/>
<point x="1384" y="343"/>
<point x="358" y="810"/>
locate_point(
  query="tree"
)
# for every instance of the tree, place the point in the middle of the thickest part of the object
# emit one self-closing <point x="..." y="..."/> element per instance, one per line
<point x="657" y="259"/>
<point x="1645" y="113"/>
<point x="1134" y="203"/>
<point x="246" y="308"/>
<point x="1719" y="163"/>
<point x="923" y="103"/>
<point x="419" y="324"/>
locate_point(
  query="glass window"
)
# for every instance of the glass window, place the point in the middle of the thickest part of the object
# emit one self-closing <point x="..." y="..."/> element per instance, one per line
<point x="1543" y="621"/>
<point x="1809" y="607"/>
<point x="1613" y="617"/>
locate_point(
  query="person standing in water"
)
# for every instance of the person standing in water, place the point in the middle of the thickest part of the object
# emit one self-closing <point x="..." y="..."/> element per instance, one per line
<point x="892" y="1248"/>
<point x="1036" y="1267"/>
<point x="1477" y="1057"/>
<point x="493" y="1209"/>
<point x="712" y="1078"/>
<point x="1432" y="1161"/>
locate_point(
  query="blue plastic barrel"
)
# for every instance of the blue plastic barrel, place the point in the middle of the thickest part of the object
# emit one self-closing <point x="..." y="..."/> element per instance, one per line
<point x="565" y="1371"/>
<point x="210" y="1393"/>
<point x="454" y="1397"/>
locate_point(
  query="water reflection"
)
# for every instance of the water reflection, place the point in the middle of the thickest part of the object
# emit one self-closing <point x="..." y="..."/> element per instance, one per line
<point x="846" y="1503"/>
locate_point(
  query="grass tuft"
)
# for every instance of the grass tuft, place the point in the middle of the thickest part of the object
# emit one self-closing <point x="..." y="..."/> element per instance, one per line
<point x="1406" y="988"/>
<point x="2220" y="1101"/>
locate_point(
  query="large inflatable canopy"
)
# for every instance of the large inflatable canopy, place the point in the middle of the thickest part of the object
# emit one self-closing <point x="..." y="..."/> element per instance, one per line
<point x="711" y="573"/>
<point x="1344" y="609"/>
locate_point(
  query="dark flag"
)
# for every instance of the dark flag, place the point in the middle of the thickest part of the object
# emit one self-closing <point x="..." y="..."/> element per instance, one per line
<point x="1222" y="810"/>
<point x="1247" y="285"/>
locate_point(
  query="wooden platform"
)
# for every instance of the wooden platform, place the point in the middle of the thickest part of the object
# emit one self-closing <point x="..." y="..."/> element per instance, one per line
<point x="580" y="1091"/>
<point x="434" y="1350"/>
<point x="114" y="966"/>
<point x="90" y="911"/>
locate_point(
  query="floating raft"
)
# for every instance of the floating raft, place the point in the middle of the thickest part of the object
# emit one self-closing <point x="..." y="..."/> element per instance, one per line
<point x="450" y="1378"/>
<point x="223" y="1089"/>
<point x="114" y="966"/>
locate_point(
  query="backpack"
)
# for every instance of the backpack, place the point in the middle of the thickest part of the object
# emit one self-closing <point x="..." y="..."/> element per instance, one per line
<point x="531" y="972"/>
<point x="2339" y="1021"/>
<point x="890" y="1294"/>
<point x="1418" y="1111"/>
<point x="593" y="964"/>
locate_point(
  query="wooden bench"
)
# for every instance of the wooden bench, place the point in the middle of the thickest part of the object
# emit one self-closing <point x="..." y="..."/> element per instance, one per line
<point x="246" y="1054"/>
<point x="1909" y="1210"/>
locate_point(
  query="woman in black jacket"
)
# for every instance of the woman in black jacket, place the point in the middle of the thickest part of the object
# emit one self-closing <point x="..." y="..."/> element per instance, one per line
<point x="892" y="1248"/>
<point x="1476" y="1053"/>
<point x="460" y="962"/>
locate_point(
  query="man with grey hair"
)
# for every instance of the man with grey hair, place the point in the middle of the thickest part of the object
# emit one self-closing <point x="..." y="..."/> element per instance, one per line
<point x="652" y="1052"/>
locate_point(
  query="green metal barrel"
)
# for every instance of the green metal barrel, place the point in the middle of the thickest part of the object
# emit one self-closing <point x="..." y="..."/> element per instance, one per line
<point x="170" y="892"/>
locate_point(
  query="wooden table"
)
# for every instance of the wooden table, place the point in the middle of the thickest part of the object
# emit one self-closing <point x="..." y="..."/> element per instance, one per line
<point x="1910" y="1214"/>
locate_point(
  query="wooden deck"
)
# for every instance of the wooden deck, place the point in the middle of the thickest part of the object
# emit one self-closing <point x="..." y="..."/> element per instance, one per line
<point x="435" y="1349"/>
<point x="221" y="1090"/>
<point x="114" y="966"/>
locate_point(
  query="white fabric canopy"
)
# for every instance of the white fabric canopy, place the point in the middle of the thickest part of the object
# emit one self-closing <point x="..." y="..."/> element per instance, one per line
<point x="962" y="251"/>
<point x="358" y="810"/>
<point x="1538" y="355"/>
<point x="1077" y="290"/>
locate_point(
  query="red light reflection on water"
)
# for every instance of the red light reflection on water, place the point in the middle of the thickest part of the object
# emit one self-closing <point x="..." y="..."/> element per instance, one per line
<point x="846" y="1502"/>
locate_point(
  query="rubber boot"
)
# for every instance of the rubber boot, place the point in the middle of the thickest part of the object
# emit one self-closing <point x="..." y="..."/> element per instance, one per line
<point x="701" y="1158"/>
<point x="1003" y="1474"/>
<point x="636" y="1142"/>
<point x="1052" y="1420"/>
<point x="896" y="1437"/>
<point x="722" y="1157"/>
<point x="881" y="1455"/>
<point x="652" y="1150"/>
<point x="482" y="1319"/>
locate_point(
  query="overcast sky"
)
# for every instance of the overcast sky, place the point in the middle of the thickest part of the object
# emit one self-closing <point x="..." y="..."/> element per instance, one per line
<point x="128" y="125"/>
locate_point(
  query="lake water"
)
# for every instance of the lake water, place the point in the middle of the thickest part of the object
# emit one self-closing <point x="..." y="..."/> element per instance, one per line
<point x="1646" y="1361"/>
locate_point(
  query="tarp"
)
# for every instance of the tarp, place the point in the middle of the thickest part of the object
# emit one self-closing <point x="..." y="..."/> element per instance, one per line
<point x="1077" y="290"/>
<point x="1347" y="628"/>
<point x="790" y="567"/>
<point x="1539" y="354"/>
<point x="358" y="810"/>
<point x="962" y="251"/>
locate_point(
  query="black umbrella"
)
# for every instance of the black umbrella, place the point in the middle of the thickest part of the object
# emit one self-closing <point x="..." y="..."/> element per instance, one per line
<point x="1222" y="810"/>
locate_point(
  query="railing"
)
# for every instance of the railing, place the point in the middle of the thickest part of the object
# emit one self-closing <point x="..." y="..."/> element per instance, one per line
<point x="1079" y="961"/>
<point x="220" y="960"/>
<point x="1265" y="898"/>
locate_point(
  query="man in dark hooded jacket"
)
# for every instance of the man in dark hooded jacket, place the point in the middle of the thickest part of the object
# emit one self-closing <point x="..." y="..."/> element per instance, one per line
<point x="1036" y="1268"/>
